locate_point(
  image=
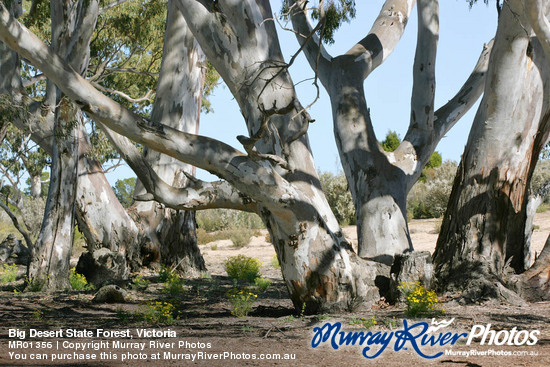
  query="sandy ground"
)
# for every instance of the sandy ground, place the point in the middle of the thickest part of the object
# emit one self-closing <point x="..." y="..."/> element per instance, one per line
<point x="206" y="328"/>
<point x="424" y="233"/>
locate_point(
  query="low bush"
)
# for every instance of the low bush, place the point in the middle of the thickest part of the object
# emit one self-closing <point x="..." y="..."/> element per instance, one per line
<point x="242" y="267"/>
<point x="79" y="282"/>
<point x="419" y="300"/>
<point x="241" y="301"/>
<point x="262" y="284"/>
<point x="8" y="273"/>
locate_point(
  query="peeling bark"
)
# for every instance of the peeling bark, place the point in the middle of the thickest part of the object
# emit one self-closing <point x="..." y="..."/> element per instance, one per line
<point x="171" y="233"/>
<point x="49" y="266"/>
<point x="482" y="240"/>
<point x="319" y="267"/>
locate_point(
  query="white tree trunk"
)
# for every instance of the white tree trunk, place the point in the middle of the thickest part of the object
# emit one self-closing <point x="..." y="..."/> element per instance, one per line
<point x="170" y="233"/>
<point x="482" y="238"/>
<point x="49" y="266"/>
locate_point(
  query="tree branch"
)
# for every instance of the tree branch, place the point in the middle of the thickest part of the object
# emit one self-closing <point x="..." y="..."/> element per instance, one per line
<point x="16" y="224"/>
<point x="257" y="179"/>
<point x="536" y="13"/>
<point x="110" y="6"/>
<point x="196" y="196"/>
<point x="423" y="92"/>
<point x="317" y="56"/>
<point x="146" y="97"/>
<point x="449" y="114"/>
<point x="383" y="37"/>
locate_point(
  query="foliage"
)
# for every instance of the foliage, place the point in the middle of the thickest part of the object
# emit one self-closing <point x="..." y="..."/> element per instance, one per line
<point x="224" y="219"/>
<point x="339" y="197"/>
<point x="164" y="273"/>
<point x="173" y="284"/>
<point x="8" y="273"/>
<point x="241" y="300"/>
<point x="124" y="191"/>
<point x="242" y="267"/>
<point x="540" y="176"/>
<point x="429" y="199"/>
<point x="79" y="282"/>
<point x="391" y="142"/>
<point x="160" y="313"/>
<point x="140" y="284"/>
<point x="262" y="284"/>
<point x="435" y="160"/>
<point x="419" y="300"/>
<point x="335" y="13"/>
<point x="239" y="237"/>
<point x="366" y="323"/>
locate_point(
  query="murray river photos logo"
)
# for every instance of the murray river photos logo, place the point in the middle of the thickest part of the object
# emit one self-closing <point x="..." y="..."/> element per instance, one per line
<point x="418" y="336"/>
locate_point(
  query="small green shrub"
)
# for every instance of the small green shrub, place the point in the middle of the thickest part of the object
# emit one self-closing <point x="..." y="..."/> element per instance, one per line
<point x="226" y="219"/>
<point x="8" y="273"/>
<point x="419" y="300"/>
<point x="242" y="267"/>
<point x="390" y="323"/>
<point x="159" y="313"/>
<point x="140" y="284"/>
<point x="339" y="197"/>
<point x="366" y="323"/>
<point x="174" y="284"/>
<point x="164" y="273"/>
<point x="241" y="238"/>
<point x="262" y="284"/>
<point x="79" y="282"/>
<point x="241" y="301"/>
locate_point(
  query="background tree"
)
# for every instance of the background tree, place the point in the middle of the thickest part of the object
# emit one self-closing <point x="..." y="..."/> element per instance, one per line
<point x="482" y="240"/>
<point x="276" y="177"/>
<point x="380" y="181"/>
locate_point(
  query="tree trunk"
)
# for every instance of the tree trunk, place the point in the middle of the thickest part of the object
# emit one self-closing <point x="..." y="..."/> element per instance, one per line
<point x="320" y="269"/>
<point x="482" y="239"/>
<point x="380" y="181"/>
<point x="36" y="186"/>
<point x="49" y="266"/>
<point x="378" y="185"/>
<point x="171" y="236"/>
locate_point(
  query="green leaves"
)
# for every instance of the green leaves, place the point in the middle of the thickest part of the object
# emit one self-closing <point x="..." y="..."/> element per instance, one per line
<point x="332" y="12"/>
<point x="335" y="13"/>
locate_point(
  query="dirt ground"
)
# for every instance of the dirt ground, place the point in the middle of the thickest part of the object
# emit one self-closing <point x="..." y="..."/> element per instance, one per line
<point x="206" y="329"/>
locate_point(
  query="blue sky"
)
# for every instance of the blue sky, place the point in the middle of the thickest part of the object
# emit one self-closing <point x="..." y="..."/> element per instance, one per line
<point x="463" y="31"/>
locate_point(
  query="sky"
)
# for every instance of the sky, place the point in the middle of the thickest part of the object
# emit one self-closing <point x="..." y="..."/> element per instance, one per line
<point x="463" y="31"/>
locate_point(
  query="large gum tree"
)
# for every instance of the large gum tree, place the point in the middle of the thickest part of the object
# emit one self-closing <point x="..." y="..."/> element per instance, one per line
<point x="483" y="251"/>
<point x="380" y="181"/>
<point x="275" y="176"/>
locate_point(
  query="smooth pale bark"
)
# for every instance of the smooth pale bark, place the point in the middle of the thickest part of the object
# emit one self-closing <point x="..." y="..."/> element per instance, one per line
<point x="101" y="217"/>
<point x="482" y="238"/>
<point x="36" y="186"/>
<point x="49" y="266"/>
<point x="50" y="261"/>
<point x="318" y="265"/>
<point x="171" y="233"/>
<point x="380" y="181"/>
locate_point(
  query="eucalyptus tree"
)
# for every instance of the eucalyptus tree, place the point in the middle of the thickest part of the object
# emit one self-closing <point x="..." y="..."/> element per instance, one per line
<point x="123" y="55"/>
<point x="483" y="250"/>
<point x="379" y="180"/>
<point x="274" y="177"/>
<point x="171" y="233"/>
